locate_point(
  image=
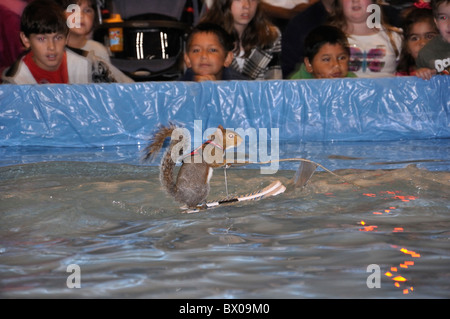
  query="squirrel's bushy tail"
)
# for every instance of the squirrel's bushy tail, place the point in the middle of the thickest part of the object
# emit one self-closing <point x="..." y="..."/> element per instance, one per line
<point x="167" y="164"/>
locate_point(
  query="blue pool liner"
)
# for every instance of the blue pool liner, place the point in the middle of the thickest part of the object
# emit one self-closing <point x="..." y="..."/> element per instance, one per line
<point x="303" y="111"/>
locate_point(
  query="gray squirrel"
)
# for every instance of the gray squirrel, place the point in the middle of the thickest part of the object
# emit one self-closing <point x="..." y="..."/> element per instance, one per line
<point x="192" y="184"/>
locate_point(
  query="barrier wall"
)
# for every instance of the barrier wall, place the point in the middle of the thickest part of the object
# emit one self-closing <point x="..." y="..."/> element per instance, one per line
<point x="385" y="109"/>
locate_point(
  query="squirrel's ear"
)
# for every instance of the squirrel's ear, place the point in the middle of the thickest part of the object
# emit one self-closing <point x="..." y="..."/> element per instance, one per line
<point x="217" y="135"/>
<point x="221" y="128"/>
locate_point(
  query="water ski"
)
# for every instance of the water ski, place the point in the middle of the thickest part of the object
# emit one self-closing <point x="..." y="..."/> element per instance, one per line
<point x="273" y="189"/>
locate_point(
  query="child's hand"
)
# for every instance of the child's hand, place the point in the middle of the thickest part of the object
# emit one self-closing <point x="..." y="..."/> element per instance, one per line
<point x="425" y="73"/>
<point x="207" y="77"/>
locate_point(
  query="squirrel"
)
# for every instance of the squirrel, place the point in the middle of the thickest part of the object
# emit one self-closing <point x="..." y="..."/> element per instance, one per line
<point x="192" y="184"/>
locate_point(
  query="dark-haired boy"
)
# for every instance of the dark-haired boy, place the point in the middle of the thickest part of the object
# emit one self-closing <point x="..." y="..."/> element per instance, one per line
<point x="327" y="55"/>
<point x="209" y="54"/>
<point x="47" y="60"/>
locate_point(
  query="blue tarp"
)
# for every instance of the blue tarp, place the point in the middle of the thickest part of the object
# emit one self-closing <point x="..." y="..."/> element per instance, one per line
<point x="386" y="109"/>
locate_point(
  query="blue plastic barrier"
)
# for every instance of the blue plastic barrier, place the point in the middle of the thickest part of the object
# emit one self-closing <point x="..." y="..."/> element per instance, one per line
<point x="385" y="109"/>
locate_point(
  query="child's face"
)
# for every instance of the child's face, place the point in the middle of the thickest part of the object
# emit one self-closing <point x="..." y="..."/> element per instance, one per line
<point x="356" y="10"/>
<point x="48" y="49"/>
<point x="443" y="21"/>
<point x="420" y="34"/>
<point x="206" y="56"/>
<point x="87" y="15"/>
<point x="243" y="11"/>
<point x="331" y="61"/>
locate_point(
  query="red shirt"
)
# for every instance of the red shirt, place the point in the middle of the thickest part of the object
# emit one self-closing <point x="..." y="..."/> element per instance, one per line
<point x="42" y="76"/>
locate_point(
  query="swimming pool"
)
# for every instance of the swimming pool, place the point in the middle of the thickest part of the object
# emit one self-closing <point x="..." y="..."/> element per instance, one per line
<point x="93" y="204"/>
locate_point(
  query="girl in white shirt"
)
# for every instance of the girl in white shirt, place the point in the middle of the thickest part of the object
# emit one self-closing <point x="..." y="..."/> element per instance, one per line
<point x="374" y="45"/>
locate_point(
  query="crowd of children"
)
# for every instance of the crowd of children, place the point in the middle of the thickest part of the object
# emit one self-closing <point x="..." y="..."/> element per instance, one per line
<point x="44" y="33"/>
<point x="235" y="40"/>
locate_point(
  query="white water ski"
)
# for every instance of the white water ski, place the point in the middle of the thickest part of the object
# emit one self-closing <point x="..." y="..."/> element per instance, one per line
<point x="275" y="188"/>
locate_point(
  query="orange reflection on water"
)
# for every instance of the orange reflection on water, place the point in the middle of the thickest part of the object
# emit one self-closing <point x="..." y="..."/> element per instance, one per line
<point x="409" y="252"/>
<point x="407" y="263"/>
<point x="367" y="228"/>
<point x="405" y="198"/>
<point x="399" y="280"/>
<point x="396" y="195"/>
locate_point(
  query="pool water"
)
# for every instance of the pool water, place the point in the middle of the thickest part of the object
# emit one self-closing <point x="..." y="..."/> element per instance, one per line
<point x="129" y="239"/>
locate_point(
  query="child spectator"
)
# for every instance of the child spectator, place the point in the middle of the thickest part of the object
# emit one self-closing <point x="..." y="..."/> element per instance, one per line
<point x="418" y="29"/>
<point x="434" y="58"/>
<point x="257" y="41"/>
<point x="326" y="55"/>
<point x="374" y="52"/>
<point x="44" y="34"/>
<point x="292" y="50"/>
<point x="209" y="54"/>
<point x="80" y="37"/>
